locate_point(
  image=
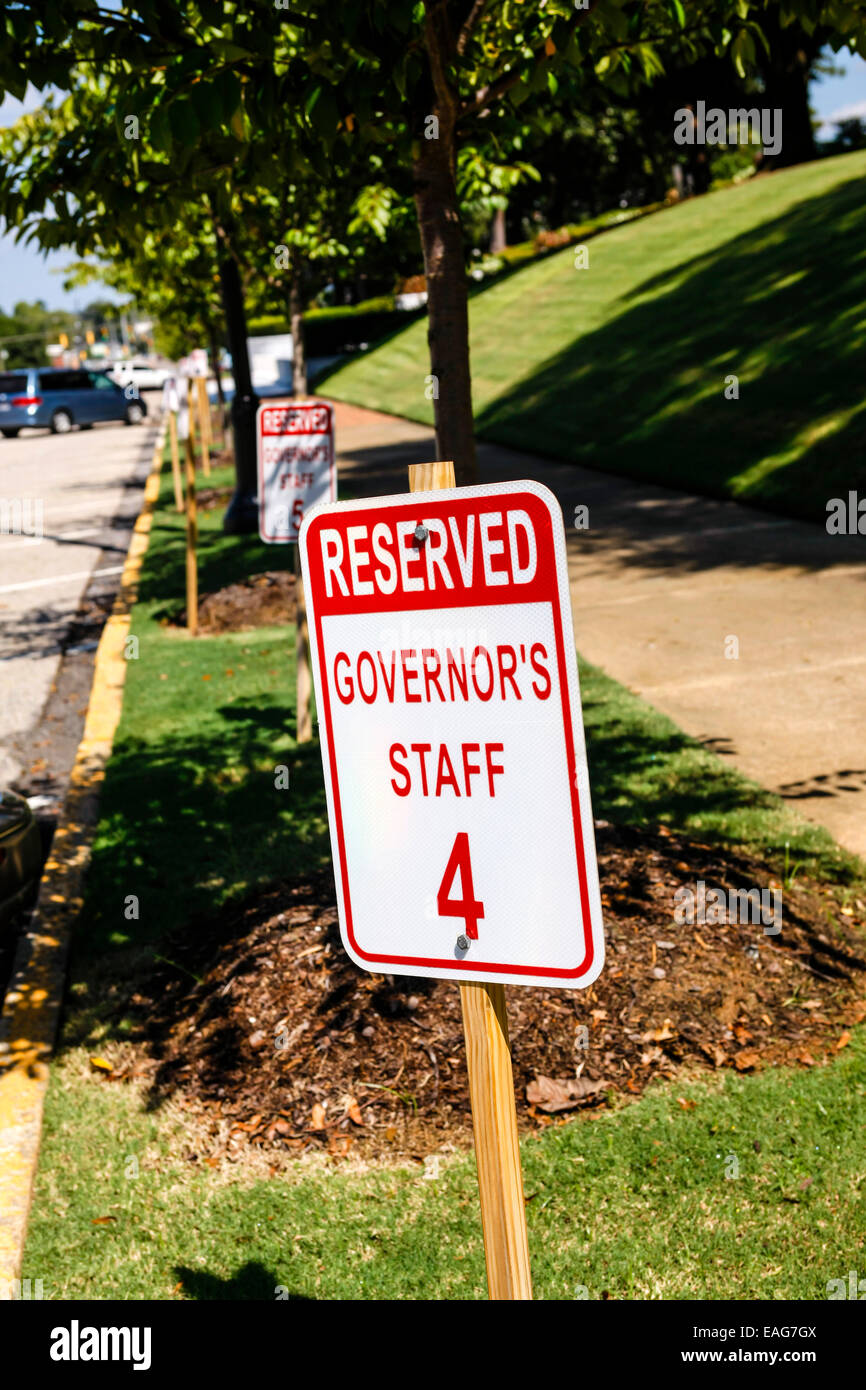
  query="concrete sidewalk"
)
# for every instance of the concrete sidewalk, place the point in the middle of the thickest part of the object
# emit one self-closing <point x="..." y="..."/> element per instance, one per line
<point x="660" y="583"/>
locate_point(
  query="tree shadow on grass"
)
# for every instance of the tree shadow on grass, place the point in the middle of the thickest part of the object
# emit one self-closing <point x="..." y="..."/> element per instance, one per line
<point x="781" y="307"/>
<point x="189" y="823"/>
<point x="252" y="1283"/>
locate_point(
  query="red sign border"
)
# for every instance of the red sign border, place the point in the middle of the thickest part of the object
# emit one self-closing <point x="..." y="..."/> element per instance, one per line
<point x="416" y="502"/>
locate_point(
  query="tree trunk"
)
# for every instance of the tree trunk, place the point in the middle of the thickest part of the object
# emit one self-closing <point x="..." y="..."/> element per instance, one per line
<point x="787" y="90"/>
<point x="296" y="325"/>
<point x="449" y="384"/>
<point x="213" y="344"/>
<point x="243" y="510"/>
<point x="498" y="237"/>
<point x="786" y="70"/>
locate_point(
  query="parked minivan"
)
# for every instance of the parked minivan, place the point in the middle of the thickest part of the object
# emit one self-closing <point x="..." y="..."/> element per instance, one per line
<point x="56" y="398"/>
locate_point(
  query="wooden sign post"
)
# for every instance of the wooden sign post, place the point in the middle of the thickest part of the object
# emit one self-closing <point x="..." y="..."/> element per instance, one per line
<point x="191" y="541"/>
<point x="191" y="410"/>
<point x="303" y="677"/>
<point x="491" y="1087"/>
<point x="175" y="460"/>
<point x="204" y="423"/>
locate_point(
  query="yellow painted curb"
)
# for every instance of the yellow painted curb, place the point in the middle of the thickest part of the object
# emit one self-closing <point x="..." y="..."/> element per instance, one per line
<point x="28" y="1024"/>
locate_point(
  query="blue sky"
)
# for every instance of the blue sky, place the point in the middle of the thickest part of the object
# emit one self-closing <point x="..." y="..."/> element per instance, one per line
<point x="26" y="274"/>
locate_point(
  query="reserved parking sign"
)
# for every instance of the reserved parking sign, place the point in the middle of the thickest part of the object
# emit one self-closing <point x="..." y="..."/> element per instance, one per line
<point x="296" y="466"/>
<point x="452" y="741"/>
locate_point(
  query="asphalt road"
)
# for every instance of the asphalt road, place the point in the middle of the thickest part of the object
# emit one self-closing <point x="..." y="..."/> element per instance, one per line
<point x="82" y="491"/>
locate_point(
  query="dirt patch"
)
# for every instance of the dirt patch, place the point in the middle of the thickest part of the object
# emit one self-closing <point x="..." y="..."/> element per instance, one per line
<point x="263" y="600"/>
<point x="209" y="499"/>
<point x="267" y="1026"/>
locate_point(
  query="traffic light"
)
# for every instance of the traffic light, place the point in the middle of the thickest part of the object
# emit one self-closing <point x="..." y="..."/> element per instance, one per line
<point x="64" y="340"/>
<point x="89" y="335"/>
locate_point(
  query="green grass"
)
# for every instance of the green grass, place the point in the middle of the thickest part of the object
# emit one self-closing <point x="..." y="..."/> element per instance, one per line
<point x="190" y="819"/>
<point x="622" y="366"/>
<point x="635" y="1202"/>
<point x="190" y="813"/>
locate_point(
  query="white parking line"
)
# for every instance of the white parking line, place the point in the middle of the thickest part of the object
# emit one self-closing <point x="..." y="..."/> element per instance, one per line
<point x="59" y="579"/>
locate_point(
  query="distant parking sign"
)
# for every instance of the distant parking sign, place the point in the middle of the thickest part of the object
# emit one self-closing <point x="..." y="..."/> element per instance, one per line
<point x="452" y="741"/>
<point x="296" y="467"/>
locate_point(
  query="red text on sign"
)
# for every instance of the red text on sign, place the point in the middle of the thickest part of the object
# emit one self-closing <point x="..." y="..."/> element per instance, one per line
<point x="433" y="771"/>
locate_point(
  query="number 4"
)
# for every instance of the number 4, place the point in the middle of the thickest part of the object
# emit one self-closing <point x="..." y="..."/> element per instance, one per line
<point x="468" y="906"/>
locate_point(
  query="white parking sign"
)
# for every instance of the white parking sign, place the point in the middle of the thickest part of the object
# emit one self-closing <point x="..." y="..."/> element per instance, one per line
<point x="295" y="450"/>
<point x="452" y="740"/>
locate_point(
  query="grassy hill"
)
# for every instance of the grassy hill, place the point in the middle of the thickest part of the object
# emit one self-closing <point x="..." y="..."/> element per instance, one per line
<point x="622" y="366"/>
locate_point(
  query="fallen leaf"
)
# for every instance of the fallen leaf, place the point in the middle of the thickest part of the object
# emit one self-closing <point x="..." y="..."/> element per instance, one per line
<point x="805" y="1057"/>
<point x="205" y="678"/>
<point x="717" y="1054"/>
<point x="102" y="1220"/>
<point x="748" y="1060"/>
<point x="100" y="1064"/>
<point x="554" y="1096"/>
<point x="686" y="1104"/>
<point x="353" y="1110"/>
<point x="318" y="1117"/>
<point x="660" y="1034"/>
<point x="843" y="1040"/>
<point x="742" y="1034"/>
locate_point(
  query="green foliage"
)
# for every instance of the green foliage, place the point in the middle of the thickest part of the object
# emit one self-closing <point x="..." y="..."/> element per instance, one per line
<point x="25" y="332"/>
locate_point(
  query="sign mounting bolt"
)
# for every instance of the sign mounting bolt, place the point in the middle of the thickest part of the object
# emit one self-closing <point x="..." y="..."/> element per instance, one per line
<point x="421" y="533"/>
<point x="463" y="943"/>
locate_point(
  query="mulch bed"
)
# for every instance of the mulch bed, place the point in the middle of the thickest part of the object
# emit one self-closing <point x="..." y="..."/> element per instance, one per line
<point x="263" y="600"/>
<point x="209" y="499"/>
<point x="263" y="1024"/>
